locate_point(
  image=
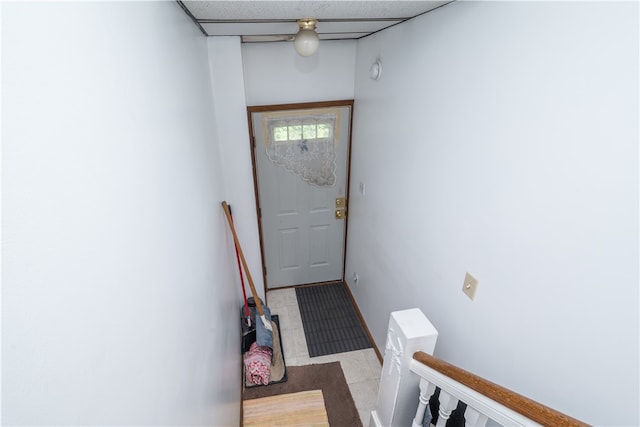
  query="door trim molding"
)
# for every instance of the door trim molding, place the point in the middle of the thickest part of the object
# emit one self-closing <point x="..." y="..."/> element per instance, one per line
<point x="296" y="106"/>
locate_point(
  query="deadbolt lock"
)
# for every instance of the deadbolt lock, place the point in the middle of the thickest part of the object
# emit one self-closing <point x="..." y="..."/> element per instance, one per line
<point x="341" y="214"/>
<point x="341" y="202"/>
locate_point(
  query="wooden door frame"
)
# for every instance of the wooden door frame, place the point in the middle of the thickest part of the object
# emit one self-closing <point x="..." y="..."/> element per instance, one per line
<point x="252" y="146"/>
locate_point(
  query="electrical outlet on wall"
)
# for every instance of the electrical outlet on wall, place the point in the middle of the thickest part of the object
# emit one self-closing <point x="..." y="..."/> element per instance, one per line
<point x="470" y="286"/>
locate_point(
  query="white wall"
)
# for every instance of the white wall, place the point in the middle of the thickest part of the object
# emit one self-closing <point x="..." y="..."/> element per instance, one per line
<point x="233" y="135"/>
<point x="118" y="302"/>
<point x="502" y="140"/>
<point x="275" y="74"/>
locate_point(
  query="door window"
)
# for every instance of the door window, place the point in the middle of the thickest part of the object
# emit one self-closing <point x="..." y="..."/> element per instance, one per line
<point x="303" y="144"/>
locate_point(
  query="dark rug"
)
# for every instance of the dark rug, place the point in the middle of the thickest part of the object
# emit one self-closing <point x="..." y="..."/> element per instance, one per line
<point x="328" y="377"/>
<point x="329" y="319"/>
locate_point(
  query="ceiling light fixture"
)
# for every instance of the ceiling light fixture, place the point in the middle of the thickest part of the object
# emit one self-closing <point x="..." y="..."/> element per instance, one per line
<point x="306" y="41"/>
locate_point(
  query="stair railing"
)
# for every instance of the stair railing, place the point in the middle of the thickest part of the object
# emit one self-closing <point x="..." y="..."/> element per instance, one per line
<point x="409" y="369"/>
<point x="484" y="399"/>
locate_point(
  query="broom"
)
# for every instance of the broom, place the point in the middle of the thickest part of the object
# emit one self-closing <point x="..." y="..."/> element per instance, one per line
<point x="265" y="322"/>
<point x="244" y="292"/>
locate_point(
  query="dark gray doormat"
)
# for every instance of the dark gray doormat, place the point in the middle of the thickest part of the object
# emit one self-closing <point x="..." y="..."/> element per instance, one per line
<point x="330" y="322"/>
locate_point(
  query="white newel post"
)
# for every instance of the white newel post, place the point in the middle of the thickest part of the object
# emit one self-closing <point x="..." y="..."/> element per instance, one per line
<point x="409" y="331"/>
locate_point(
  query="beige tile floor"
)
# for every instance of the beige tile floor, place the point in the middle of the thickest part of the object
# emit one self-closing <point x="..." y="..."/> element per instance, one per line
<point x="361" y="368"/>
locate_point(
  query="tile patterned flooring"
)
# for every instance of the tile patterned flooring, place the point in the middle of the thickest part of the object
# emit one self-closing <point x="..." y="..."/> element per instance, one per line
<point x="361" y="368"/>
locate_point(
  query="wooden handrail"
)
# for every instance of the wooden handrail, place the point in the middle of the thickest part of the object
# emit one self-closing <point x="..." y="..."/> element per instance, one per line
<point x="523" y="405"/>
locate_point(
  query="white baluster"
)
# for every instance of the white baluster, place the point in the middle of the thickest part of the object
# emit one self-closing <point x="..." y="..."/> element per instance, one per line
<point x="473" y="418"/>
<point x="426" y="391"/>
<point x="447" y="404"/>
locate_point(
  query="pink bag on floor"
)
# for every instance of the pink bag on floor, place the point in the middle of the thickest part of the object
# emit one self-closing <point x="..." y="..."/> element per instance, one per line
<point x="257" y="364"/>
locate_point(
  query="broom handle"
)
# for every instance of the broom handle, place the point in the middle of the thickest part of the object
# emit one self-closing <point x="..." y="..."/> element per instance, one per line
<point x="244" y="292"/>
<point x="227" y="213"/>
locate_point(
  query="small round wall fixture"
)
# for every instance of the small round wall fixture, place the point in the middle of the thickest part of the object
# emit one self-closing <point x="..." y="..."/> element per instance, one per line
<point x="306" y="41"/>
<point x="375" y="72"/>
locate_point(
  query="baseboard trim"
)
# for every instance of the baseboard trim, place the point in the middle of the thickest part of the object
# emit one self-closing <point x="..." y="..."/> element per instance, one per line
<point x="364" y="323"/>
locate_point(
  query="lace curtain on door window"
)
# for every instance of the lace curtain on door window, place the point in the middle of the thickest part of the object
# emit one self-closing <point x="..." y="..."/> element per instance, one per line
<point x="304" y="145"/>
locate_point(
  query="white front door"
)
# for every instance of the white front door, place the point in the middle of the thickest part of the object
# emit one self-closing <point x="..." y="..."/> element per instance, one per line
<point x="301" y="159"/>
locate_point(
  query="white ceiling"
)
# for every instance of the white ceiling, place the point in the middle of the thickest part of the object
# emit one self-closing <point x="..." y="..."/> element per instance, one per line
<point x="267" y="20"/>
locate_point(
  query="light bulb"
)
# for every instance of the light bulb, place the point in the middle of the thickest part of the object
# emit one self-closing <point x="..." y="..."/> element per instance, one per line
<point x="306" y="42"/>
